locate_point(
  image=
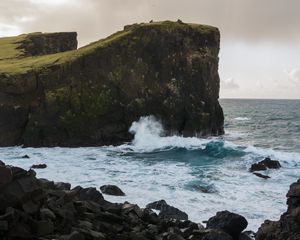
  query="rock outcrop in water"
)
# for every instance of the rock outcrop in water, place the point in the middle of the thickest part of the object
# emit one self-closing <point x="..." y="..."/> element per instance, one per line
<point x="53" y="95"/>
<point x="288" y="226"/>
<point x="33" y="208"/>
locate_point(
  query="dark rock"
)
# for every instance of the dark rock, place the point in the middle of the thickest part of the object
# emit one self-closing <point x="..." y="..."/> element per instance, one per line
<point x="43" y="228"/>
<point x="264" y="165"/>
<point x="261" y="175"/>
<point x="39" y="166"/>
<point x="167" y="211"/>
<point x="288" y="225"/>
<point x="6" y="175"/>
<point x="217" y="235"/>
<point x="73" y="236"/>
<point x="36" y="44"/>
<point x="3" y="226"/>
<point x="247" y="235"/>
<point x="90" y="194"/>
<point x="25" y="156"/>
<point x="112" y="190"/>
<point x="2" y="164"/>
<point x="231" y="223"/>
<point x="157" y="205"/>
<point x="62" y="186"/>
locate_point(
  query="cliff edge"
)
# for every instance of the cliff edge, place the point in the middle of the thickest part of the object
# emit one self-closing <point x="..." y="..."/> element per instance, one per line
<point x="52" y="94"/>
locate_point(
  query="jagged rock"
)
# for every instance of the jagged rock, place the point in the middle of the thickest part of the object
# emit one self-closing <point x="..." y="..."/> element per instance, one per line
<point x="167" y="211"/>
<point x="2" y="164"/>
<point x="229" y="222"/>
<point x="39" y="166"/>
<point x="264" y="165"/>
<point x="288" y="225"/>
<point x="62" y="186"/>
<point x="5" y="175"/>
<point x="25" y="156"/>
<point x="217" y="235"/>
<point x="166" y="69"/>
<point x="112" y="190"/>
<point x="261" y="175"/>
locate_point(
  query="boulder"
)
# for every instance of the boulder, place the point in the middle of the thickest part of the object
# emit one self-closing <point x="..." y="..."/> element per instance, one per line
<point x="38" y="166"/>
<point x="264" y="165"/>
<point x="112" y="190"/>
<point x="167" y="211"/>
<point x="6" y="175"/>
<point x="231" y="223"/>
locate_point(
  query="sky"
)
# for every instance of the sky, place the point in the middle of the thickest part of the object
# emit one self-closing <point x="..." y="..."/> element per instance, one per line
<point x="260" y="39"/>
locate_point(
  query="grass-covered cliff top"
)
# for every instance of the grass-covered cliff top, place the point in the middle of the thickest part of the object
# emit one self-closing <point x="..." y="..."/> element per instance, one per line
<point x="13" y="61"/>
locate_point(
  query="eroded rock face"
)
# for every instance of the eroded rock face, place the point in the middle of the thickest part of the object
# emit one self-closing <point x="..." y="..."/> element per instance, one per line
<point x="288" y="227"/>
<point x="90" y="96"/>
<point x="36" y="44"/>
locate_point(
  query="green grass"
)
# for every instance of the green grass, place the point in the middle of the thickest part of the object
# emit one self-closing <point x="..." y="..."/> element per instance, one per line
<point x="12" y="62"/>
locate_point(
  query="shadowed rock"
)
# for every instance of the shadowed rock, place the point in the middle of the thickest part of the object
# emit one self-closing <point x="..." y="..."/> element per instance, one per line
<point x="229" y="222"/>
<point x="264" y="165"/>
<point x="112" y="190"/>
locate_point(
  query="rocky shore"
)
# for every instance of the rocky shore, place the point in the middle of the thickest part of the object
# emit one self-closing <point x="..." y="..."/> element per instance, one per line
<point x="33" y="208"/>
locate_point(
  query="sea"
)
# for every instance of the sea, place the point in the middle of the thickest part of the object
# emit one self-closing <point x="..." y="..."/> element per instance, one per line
<point x="200" y="176"/>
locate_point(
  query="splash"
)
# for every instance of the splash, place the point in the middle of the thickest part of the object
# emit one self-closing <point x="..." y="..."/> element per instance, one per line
<point x="149" y="136"/>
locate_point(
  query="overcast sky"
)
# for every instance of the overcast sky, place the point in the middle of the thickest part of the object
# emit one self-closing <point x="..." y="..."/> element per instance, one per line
<point x="260" y="39"/>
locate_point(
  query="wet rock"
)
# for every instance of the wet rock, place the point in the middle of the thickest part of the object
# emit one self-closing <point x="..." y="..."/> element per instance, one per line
<point x="264" y="165"/>
<point x="229" y="222"/>
<point x="261" y="175"/>
<point x="288" y="225"/>
<point x="38" y="166"/>
<point x="247" y="235"/>
<point x="112" y="190"/>
<point x="3" y="225"/>
<point x="90" y="194"/>
<point x="62" y="186"/>
<point x="25" y="156"/>
<point x="217" y="235"/>
<point x="6" y="175"/>
<point x="2" y="164"/>
<point x="167" y="211"/>
<point x="73" y="236"/>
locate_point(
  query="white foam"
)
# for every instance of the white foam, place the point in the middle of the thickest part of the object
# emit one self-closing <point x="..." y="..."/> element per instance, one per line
<point x="242" y="119"/>
<point x="149" y="136"/>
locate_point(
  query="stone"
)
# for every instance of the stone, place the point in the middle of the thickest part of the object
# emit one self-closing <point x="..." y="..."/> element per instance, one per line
<point x="39" y="166"/>
<point x="62" y="186"/>
<point x="73" y="236"/>
<point x="157" y="205"/>
<point x="264" y="165"/>
<point x="217" y="235"/>
<point x="3" y="225"/>
<point x="6" y="175"/>
<point x="112" y="190"/>
<point x="90" y="194"/>
<point x="261" y="175"/>
<point x="2" y="164"/>
<point x="43" y="228"/>
<point x="231" y="223"/>
<point x="25" y="156"/>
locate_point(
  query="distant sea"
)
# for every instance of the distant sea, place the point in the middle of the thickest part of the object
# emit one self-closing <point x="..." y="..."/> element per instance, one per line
<point x="199" y="176"/>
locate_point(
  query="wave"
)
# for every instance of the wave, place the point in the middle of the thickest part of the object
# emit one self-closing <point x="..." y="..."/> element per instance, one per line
<point x="149" y="138"/>
<point x="242" y="119"/>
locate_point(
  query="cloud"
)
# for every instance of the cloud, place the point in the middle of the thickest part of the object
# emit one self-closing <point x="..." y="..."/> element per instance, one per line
<point x="294" y="75"/>
<point x="250" y="20"/>
<point x="229" y="83"/>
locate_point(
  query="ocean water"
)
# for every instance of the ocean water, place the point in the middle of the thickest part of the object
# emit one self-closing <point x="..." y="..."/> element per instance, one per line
<point x="178" y="169"/>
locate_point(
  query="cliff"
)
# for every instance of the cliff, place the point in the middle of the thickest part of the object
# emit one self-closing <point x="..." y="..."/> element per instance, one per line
<point x="91" y="95"/>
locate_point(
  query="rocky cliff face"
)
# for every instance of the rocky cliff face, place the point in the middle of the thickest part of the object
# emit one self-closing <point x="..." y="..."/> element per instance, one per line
<point x="90" y="96"/>
<point x="288" y="226"/>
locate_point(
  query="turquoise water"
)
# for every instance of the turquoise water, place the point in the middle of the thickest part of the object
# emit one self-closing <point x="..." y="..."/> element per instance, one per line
<point x="199" y="176"/>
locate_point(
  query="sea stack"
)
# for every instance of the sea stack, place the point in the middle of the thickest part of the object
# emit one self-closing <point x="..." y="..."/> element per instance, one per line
<point x="58" y="95"/>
